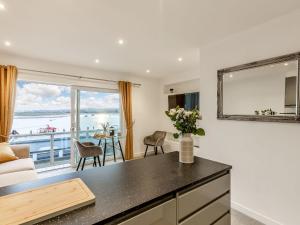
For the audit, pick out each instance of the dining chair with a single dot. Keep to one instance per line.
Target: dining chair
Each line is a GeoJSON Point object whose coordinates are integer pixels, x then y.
{"type": "Point", "coordinates": [156, 140]}
{"type": "Point", "coordinates": [87, 150]}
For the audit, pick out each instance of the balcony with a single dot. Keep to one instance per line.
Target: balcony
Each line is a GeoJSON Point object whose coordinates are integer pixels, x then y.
{"type": "Point", "coordinates": [53, 149]}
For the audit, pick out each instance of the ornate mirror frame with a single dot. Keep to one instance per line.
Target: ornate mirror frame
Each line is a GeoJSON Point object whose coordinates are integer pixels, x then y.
{"type": "Point", "coordinates": [280, 59]}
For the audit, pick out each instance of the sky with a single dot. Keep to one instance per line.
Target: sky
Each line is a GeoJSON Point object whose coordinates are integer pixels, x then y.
{"type": "Point", "coordinates": [36, 96]}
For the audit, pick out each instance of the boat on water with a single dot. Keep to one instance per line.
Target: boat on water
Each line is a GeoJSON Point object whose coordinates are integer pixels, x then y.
{"type": "Point", "coordinates": [47, 129]}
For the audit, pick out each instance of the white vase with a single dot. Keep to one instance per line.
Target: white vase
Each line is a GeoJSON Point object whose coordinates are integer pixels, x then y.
{"type": "Point", "coordinates": [186, 154]}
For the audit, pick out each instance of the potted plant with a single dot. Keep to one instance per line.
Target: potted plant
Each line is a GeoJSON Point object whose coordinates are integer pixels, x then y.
{"type": "Point", "coordinates": [185, 121]}
{"type": "Point", "coordinates": [105, 127]}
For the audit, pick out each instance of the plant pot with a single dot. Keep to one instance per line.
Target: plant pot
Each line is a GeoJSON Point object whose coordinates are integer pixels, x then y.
{"type": "Point", "coordinates": [186, 154]}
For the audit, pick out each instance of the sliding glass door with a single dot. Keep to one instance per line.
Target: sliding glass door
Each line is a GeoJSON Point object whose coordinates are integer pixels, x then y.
{"type": "Point", "coordinates": [42, 120]}
{"type": "Point", "coordinates": [92, 110]}
{"type": "Point", "coordinates": [48, 116]}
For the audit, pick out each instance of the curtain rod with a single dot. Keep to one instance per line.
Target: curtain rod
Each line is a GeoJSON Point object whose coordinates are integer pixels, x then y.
{"type": "Point", "coordinates": [74, 76]}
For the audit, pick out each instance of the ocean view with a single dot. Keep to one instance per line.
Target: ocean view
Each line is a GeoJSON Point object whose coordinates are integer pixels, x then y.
{"type": "Point", "coordinates": [40, 142]}
{"type": "Point", "coordinates": [42, 119]}
{"type": "Point", "coordinates": [30, 124]}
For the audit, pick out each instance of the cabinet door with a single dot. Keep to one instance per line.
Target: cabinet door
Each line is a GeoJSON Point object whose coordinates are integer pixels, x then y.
{"type": "Point", "coordinates": [164, 214]}
{"type": "Point", "coordinates": [225, 220]}
{"type": "Point", "coordinates": [210, 213]}
{"type": "Point", "coordinates": [192, 201]}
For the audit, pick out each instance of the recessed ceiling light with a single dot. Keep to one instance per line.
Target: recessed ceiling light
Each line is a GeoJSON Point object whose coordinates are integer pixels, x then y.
{"type": "Point", "coordinates": [120, 41]}
{"type": "Point", "coordinates": [148, 71]}
{"type": "Point", "coordinates": [2, 7]}
{"type": "Point", "coordinates": [97, 60]}
{"type": "Point", "coordinates": [286, 64]}
{"type": "Point", "coordinates": [179, 59]}
{"type": "Point", "coordinates": [7, 43]}
{"type": "Point", "coordinates": [230, 75]}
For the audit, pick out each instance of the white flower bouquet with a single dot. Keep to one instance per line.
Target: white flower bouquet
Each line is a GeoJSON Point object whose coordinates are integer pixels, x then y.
{"type": "Point", "coordinates": [185, 121]}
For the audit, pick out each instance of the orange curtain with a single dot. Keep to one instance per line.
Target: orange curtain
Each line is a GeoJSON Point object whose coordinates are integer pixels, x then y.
{"type": "Point", "coordinates": [8, 80]}
{"type": "Point", "coordinates": [125, 91]}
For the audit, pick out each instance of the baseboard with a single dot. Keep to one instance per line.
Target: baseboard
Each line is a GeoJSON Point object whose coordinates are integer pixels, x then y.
{"type": "Point", "coordinates": [253, 214]}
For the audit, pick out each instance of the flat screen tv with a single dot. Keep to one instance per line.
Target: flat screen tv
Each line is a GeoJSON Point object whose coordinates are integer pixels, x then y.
{"type": "Point", "coordinates": [290, 91]}
{"type": "Point", "coordinates": [187, 101]}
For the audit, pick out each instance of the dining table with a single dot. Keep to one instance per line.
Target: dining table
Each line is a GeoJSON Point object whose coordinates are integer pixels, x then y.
{"type": "Point", "coordinates": [115, 142]}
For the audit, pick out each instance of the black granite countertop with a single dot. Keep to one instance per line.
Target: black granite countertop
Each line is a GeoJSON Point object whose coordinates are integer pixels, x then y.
{"type": "Point", "coordinates": [124, 187]}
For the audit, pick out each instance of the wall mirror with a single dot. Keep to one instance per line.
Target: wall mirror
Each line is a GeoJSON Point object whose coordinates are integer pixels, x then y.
{"type": "Point", "coordinates": [266, 90]}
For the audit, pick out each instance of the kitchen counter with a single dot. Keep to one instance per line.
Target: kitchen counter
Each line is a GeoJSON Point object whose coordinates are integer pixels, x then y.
{"type": "Point", "coordinates": [127, 189]}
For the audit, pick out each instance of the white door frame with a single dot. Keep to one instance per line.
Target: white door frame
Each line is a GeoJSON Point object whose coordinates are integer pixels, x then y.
{"type": "Point", "coordinates": [75, 98]}
{"type": "Point", "coordinates": [75, 114]}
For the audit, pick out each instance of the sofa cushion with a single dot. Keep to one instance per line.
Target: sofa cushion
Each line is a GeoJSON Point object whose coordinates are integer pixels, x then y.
{"type": "Point", "coordinates": [17, 177]}
{"type": "Point", "coordinates": [6, 154]}
{"type": "Point", "coordinates": [21, 150]}
{"type": "Point", "coordinates": [17, 165]}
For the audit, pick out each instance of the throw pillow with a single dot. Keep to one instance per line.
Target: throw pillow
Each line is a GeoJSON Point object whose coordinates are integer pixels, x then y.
{"type": "Point", "coordinates": [6, 154]}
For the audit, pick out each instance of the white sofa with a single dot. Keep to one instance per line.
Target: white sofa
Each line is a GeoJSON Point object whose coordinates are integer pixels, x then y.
{"type": "Point", "coordinates": [20, 170]}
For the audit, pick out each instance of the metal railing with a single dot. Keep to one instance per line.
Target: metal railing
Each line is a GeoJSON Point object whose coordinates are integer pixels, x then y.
{"type": "Point", "coordinates": [49, 149]}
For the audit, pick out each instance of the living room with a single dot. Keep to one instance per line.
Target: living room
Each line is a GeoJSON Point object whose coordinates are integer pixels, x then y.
{"type": "Point", "coordinates": [163, 49]}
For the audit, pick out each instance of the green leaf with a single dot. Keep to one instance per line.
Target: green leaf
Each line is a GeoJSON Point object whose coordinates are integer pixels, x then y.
{"type": "Point", "coordinates": [200, 132]}
{"type": "Point", "coordinates": [176, 135]}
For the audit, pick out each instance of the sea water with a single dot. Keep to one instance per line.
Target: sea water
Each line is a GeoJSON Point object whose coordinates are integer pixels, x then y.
{"type": "Point", "coordinates": [62, 123]}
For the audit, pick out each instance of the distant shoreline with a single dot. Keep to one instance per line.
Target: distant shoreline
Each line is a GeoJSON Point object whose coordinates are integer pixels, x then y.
{"type": "Point", "coordinates": [43, 114]}
{"type": "Point", "coordinates": [33, 123]}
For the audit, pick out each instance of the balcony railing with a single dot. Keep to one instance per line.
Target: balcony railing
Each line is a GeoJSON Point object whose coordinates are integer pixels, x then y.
{"type": "Point", "coordinates": [51, 149]}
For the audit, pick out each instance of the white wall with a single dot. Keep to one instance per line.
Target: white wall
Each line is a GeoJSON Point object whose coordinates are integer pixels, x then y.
{"type": "Point", "coordinates": [182, 84]}
{"type": "Point", "coordinates": [180, 87]}
{"type": "Point", "coordinates": [265, 156]}
{"type": "Point", "coordinates": [145, 98]}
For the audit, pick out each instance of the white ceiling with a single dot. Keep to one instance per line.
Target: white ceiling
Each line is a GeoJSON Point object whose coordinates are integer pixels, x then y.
{"type": "Point", "coordinates": [156, 32]}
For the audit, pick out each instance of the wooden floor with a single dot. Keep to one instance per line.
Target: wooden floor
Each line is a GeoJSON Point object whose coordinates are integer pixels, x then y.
{"type": "Point", "coordinates": [237, 218]}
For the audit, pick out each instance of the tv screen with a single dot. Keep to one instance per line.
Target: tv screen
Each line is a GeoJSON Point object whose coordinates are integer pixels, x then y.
{"type": "Point", "coordinates": [187, 101]}
{"type": "Point", "coordinates": [290, 91]}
